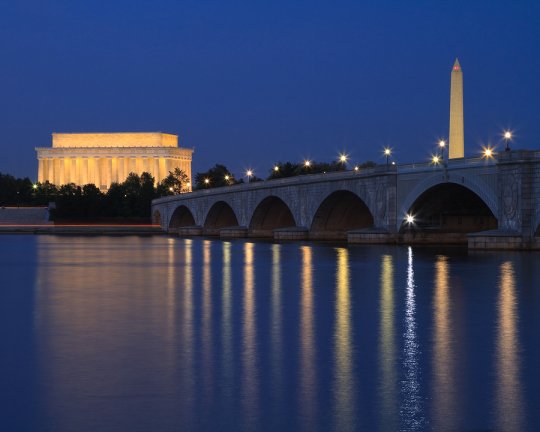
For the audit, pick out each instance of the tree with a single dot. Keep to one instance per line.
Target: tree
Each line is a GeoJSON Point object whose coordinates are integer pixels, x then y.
{"type": "Point", "coordinates": [176, 182]}
{"type": "Point", "coordinates": [216, 176]}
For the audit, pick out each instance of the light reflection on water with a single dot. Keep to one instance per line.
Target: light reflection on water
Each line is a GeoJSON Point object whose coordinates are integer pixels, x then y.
{"type": "Point", "coordinates": [388, 390]}
{"type": "Point", "coordinates": [509, 405]}
{"type": "Point", "coordinates": [444, 379]}
{"type": "Point", "coordinates": [344, 382]}
{"type": "Point", "coordinates": [411, 410]}
{"type": "Point", "coordinates": [250, 390]}
{"type": "Point", "coordinates": [169, 334]}
{"type": "Point", "coordinates": [308, 388]}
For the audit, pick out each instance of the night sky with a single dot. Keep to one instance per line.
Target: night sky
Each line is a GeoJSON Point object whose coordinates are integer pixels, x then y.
{"type": "Point", "coordinates": [250, 83]}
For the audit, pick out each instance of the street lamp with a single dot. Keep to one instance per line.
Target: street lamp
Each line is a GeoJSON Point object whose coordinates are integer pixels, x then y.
{"type": "Point", "coordinates": [343, 158]}
{"type": "Point", "coordinates": [276, 168]}
{"type": "Point", "coordinates": [249, 174]}
{"type": "Point", "coordinates": [488, 152]}
{"type": "Point", "coordinates": [442, 145]}
{"type": "Point", "coordinates": [206, 181]}
{"type": "Point", "coordinates": [409, 218]}
{"type": "Point", "coordinates": [387, 153]}
{"type": "Point", "coordinates": [435, 159]}
{"type": "Point", "coordinates": [307, 163]}
{"type": "Point", "coordinates": [507, 138]}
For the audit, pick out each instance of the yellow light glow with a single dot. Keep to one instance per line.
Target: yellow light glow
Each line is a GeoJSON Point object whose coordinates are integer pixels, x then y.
{"type": "Point", "coordinates": [435, 159]}
{"type": "Point", "coordinates": [343, 158]}
{"type": "Point", "coordinates": [227, 177]}
{"type": "Point", "coordinates": [276, 168]}
{"type": "Point", "coordinates": [356, 168]}
{"type": "Point", "coordinates": [206, 180]}
{"type": "Point", "coordinates": [442, 143]}
{"type": "Point", "coordinates": [409, 219]}
{"type": "Point", "coordinates": [249, 173]}
{"type": "Point", "coordinates": [34, 186]}
{"type": "Point", "coordinates": [488, 153]}
{"type": "Point", "coordinates": [507, 135]}
{"type": "Point", "coordinates": [307, 163]}
{"type": "Point", "coordinates": [387, 151]}
{"type": "Point", "coordinates": [171, 189]}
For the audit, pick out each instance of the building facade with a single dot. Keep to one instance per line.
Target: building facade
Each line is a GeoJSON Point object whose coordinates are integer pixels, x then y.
{"type": "Point", "coordinates": [105, 158]}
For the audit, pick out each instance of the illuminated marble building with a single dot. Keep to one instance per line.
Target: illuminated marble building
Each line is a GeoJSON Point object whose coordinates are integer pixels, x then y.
{"type": "Point", "coordinates": [104, 158]}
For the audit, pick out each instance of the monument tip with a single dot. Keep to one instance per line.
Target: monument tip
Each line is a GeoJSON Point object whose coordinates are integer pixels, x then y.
{"type": "Point", "coordinates": [457, 66]}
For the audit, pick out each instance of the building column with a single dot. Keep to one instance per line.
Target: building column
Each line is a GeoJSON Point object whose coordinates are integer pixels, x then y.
{"type": "Point", "coordinates": [50, 170]}
{"type": "Point", "coordinates": [40, 170]}
{"type": "Point", "coordinates": [84, 171]}
{"type": "Point", "coordinates": [67, 170]}
{"type": "Point", "coordinates": [162, 168]}
{"type": "Point", "coordinates": [155, 170]}
{"type": "Point", "coordinates": [114, 170]}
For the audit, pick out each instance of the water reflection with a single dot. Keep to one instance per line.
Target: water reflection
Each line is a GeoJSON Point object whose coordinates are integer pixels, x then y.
{"type": "Point", "coordinates": [226, 322]}
{"type": "Point", "coordinates": [276, 327]}
{"type": "Point", "coordinates": [387, 348]}
{"type": "Point", "coordinates": [307, 344]}
{"type": "Point", "coordinates": [95, 301]}
{"type": "Point", "coordinates": [250, 393]}
{"type": "Point", "coordinates": [344, 382]}
{"type": "Point", "coordinates": [206, 324]}
{"type": "Point", "coordinates": [444, 384]}
{"type": "Point", "coordinates": [411, 409]}
{"type": "Point", "coordinates": [509, 404]}
{"type": "Point", "coordinates": [188, 380]}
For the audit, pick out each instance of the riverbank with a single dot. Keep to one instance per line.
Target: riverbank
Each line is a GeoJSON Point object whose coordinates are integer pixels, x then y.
{"type": "Point", "coordinates": [83, 229]}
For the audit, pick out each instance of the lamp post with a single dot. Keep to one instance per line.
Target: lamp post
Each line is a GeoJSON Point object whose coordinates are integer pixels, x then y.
{"type": "Point", "coordinates": [507, 138]}
{"type": "Point", "coordinates": [387, 153]}
{"type": "Point", "coordinates": [442, 145]}
{"type": "Point", "coordinates": [249, 173]}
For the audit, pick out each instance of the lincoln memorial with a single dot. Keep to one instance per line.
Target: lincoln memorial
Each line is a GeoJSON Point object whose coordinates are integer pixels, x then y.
{"type": "Point", "coordinates": [105, 158]}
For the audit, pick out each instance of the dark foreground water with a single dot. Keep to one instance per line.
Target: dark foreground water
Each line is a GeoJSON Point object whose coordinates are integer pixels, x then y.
{"type": "Point", "coordinates": [167, 334]}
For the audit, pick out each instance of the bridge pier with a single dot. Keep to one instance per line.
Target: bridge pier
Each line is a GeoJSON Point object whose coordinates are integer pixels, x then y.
{"type": "Point", "coordinates": [292, 233]}
{"type": "Point", "coordinates": [233, 232]}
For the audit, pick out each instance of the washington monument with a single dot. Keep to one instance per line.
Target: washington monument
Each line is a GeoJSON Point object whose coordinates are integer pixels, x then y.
{"type": "Point", "coordinates": [456, 147]}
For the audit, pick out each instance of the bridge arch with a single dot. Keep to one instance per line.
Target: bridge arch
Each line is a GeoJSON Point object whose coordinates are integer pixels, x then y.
{"type": "Point", "coordinates": [486, 193]}
{"type": "Point", "coordinates": [339, 212]}
{"type": "Point", "coordinates": [450, 207]}
{"type": "Point", "coordinates": [220, 215]}
{"type": "Point", "coordinates": [271, 213]}
{"type": "Point", "coordinates": [181, 217]}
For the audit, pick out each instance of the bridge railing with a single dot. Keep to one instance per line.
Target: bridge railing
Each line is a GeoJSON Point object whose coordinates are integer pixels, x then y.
{"type": "Point", "coordinates": [451, 163]}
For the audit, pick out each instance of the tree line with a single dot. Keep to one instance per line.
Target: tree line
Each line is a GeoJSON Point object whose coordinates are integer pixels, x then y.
{"type": "Point", "coordinates": [219, 175]}
{"type": "Point", "coordinates": [130, 199]}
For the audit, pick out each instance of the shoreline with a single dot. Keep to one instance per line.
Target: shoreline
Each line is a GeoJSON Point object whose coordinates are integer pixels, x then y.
{"type": "Point", "coordinates": [83, 229]}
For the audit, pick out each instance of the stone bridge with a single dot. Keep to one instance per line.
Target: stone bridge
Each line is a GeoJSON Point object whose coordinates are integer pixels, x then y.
{"type": "Point", "coordinates": [487, 203]}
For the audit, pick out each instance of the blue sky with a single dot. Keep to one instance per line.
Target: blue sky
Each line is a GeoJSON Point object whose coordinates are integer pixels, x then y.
{"type": "Point", "coordinates": [249, 83]}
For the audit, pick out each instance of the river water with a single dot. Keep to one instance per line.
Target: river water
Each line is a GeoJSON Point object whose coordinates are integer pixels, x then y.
{"type": "Point", "coordinates": [170, 334]}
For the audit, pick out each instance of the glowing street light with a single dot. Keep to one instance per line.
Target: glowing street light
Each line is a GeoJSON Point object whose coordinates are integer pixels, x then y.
{"type": "Point", "coordinates": [207, 181]}
{"type": "Point", "coordinates": [227, 178]}
{"type": "Point", "coordinates": [276, 168]}
{"type": "Point", "coordinates": [307, 163]}
{"type": "Point", "coordinates": [409, 218]}
{"type": "Point", "coordinates": [356, 168]}
{"type": "Point", "coordinates": [343, 158]}
{"type": "Point", "coordinates": [507, 135]}
{"type": "Point", "coordinates": [442, 145]}
{"type": "Point", "coordinates": [488, 152]}
{"type": "Point", "coordinates": [249, 174]}
{"type": "Point", "coordinates": [387, 153]}
{"type": "Point", "coordinates": [435, 160]}
{"type": "Point", "coordinates": [34, 186]}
